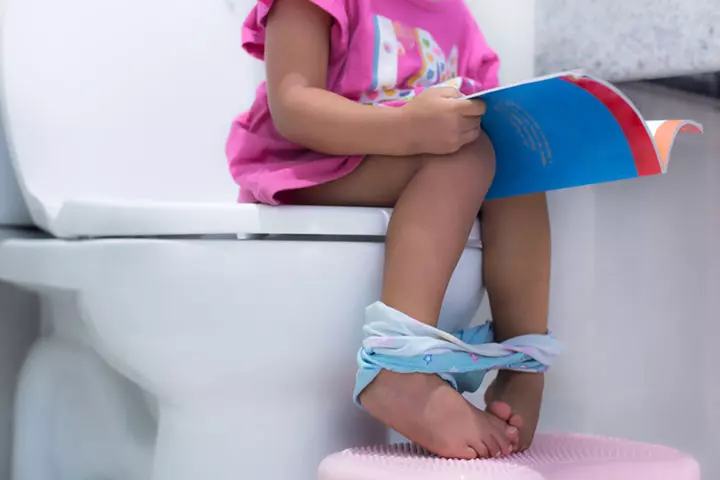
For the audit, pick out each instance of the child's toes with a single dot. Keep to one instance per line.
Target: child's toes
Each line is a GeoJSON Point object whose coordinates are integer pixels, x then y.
{"type": "Point", "coordinates": [459, 451]}
{"type": "Point", "coordinates": [470, 453]}
{"type": "Point", "coordinates": [512, 434]}
{"type": "Point", "coordinates": [516, 420]}
{"type": "Point", "coordinates": [495, 444]}
{"type": "Point", "coordinates": [506, 443]}
{"type": "Point", "coordinates": [501, 410]}
{"type": "Point", "coordinates": [479, 448]}
{"type": "Point", "coordinates": [504, 435]}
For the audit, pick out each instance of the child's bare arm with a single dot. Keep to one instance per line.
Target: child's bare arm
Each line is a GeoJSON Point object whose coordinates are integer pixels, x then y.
{"type": "Point", "coordinates": [304, 112]}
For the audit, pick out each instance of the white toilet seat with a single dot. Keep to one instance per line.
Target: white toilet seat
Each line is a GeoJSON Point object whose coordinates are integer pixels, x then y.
{"type": "Point", "coordinates": [123, 218]}
{"type": "Point", "coordinates": [33, 258]}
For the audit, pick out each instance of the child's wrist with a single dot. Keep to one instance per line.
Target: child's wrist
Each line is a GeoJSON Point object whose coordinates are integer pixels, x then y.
{"type": "Point", "coordinates": [405, 139]}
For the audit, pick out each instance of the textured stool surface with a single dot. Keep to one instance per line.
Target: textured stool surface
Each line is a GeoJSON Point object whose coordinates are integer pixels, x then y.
{"type": "Point", "coordinates": [552, 457]}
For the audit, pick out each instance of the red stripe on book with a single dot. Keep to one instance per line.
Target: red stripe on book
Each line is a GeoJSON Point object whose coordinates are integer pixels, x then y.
{"type": "Point", "coordinates": [641, 145]}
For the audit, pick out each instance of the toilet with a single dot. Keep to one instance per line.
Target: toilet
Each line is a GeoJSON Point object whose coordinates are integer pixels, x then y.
{"type": "Point", "coordinates": [185, 336]}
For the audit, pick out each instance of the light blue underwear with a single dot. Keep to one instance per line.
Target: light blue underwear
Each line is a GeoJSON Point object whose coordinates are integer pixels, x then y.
{"type": "Point", "coordinates": [395, 342]}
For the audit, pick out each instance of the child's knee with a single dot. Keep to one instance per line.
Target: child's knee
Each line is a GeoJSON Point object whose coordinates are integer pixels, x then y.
{"type": "Point", "coordinates": [482, 155]}
{"type": "Point", "coordinates": [473, 166]}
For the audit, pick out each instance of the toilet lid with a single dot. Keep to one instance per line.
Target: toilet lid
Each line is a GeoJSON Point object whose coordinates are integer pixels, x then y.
{"type": "Point", "coordinates": [13, 211]}
{"type": "Point", "coordinates": [122, 101]}
{"type": "Point", "coordinates": [117, 115]}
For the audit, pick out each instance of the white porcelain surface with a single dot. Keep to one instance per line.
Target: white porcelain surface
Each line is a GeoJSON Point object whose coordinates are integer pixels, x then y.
{"type": "Point", "coordinates": [12, 208]}
{"type": "Point", "coordinates": [244, 363]}
{"type": "Point", "coordinates": [18, 330]}
{"type": "Point", "coordinates": [164, 140]}
{"type": "Point", "coordinates": [13, 211]}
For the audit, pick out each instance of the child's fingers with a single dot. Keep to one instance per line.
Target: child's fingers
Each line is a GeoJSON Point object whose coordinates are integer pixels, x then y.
{"type": "Point", "coordinates": [472, 108]}
{"type": "Point", "coordinates": [470, 136]}
{"type": "Point", "coordinates": [469, 123]}
{"type": "Point", "coordinates": [448, 92]}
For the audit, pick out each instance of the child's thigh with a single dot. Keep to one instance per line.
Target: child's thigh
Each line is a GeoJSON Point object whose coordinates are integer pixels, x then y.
{"type": "Point", "coordinates": [377, 182]}
{"type": "Point", "coordinates": [380, 180]}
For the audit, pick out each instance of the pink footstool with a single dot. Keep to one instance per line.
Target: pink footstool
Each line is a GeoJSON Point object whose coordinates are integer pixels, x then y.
{"type": "Point", "coordinates": [552, 457]}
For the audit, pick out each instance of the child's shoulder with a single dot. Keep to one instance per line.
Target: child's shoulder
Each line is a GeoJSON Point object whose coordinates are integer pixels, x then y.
{"type": "Point", "coordinates": [254, 27]}
{"type": "Point", "coordinates": [450, 18]}
{"type": "Point", "coordinates": [449, 13]}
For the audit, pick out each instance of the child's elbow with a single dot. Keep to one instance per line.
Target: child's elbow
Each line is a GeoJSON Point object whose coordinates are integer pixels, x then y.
{"type": "Point", "coordinates": [284, 121]}
{"type": "Point", "coordinates": [287, 117]}
{"type": "Point", "coordinates": [297, 121]}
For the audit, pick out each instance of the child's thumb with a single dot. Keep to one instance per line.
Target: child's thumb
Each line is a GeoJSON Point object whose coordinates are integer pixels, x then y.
{"type": "Point", "coordinates": [449, 92]}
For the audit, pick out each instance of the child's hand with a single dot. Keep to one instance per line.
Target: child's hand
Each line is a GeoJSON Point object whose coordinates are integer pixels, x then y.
{"type": "Point", "coordinates": [437, 121]}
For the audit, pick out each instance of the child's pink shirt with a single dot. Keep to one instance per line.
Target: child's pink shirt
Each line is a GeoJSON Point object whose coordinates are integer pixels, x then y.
{"type": "Point", "coordinates": [382, 52]}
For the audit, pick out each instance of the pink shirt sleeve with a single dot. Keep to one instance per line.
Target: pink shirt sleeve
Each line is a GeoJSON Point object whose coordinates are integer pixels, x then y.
{"type": "Point", "coordinates": [254, 28]}
{"type": "Point", "coordinates": [478, 61]}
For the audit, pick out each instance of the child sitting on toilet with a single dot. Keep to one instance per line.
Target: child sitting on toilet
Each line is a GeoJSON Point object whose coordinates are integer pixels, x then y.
{"type": "Point", "coordinates": [347, 118]}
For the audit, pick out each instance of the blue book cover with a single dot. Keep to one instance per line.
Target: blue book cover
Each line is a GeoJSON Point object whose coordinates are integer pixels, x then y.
{"type": "Point", "coordinates": [569, 130]}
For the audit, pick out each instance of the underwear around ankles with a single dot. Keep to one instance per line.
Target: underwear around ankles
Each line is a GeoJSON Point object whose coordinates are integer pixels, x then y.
{"type": "Point", "coordinates": [398, 343]}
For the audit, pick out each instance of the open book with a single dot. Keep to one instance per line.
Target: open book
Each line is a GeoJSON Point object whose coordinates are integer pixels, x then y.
{"type": "Point", "coordinates": [569, 130]}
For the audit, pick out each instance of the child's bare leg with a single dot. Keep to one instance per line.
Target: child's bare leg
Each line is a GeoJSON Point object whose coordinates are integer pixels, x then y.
{"type": "Point", "coordinates": [436, 201]}
{"type": "Point", "coordinates": [516, 268]}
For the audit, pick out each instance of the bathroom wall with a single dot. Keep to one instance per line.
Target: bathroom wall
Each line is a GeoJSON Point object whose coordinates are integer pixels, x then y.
{"type": "Point", "coordinates": [656, 291]}
{"type": "Point", "coordinates": [513, 40]}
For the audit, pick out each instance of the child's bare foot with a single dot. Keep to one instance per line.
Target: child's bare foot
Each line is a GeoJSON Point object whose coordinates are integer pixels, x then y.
{"type": "Point", "coordinates": [426, 410]}
{"type": "Point", "coordinates": [515, 397]}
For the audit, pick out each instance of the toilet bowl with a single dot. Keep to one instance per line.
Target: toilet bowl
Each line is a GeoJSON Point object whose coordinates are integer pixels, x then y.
{"type": "Point", "coordinates": [186, 336]}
